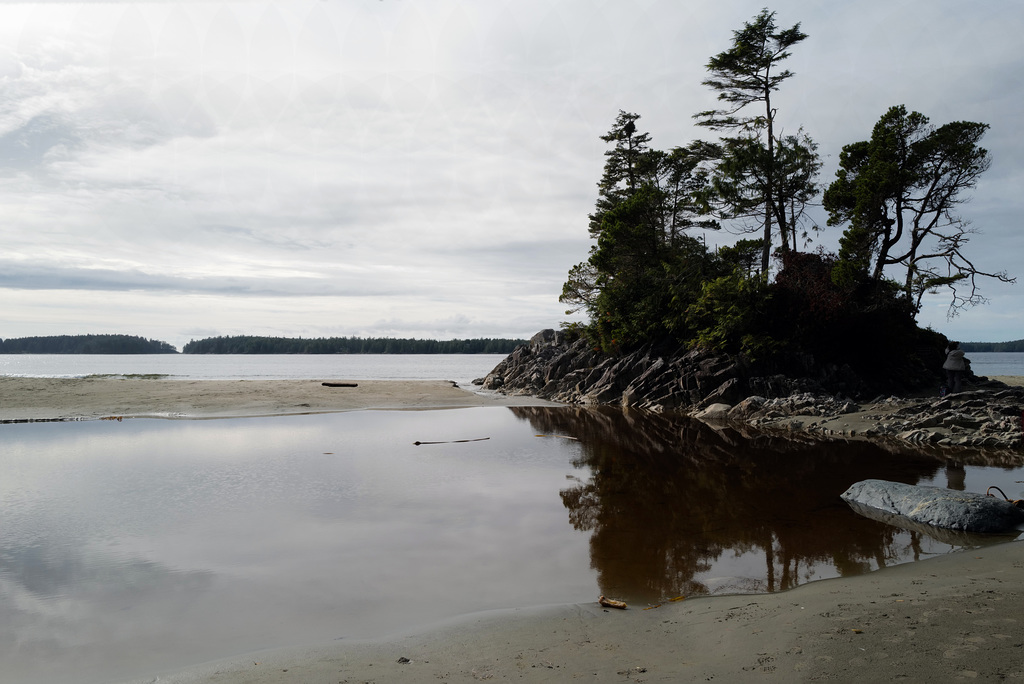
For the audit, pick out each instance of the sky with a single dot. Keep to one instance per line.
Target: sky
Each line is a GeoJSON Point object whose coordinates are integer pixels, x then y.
{"type": "Point", "coordinates": [421, 168]}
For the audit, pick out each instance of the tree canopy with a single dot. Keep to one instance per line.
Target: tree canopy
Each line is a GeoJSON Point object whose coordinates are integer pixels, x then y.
{"type": "Point", "coordinates": [1012, 346]}
{"type": "Point", "coordinates": [249, 344]}
{"type": "Point", "coordinates": [649, 281]}
{"type": "Point", "coordinates": [85, 344]}
{"type": "Point", "coordinates": [899, 192]}
{"type": "Point", "coordinates": [760, 175]}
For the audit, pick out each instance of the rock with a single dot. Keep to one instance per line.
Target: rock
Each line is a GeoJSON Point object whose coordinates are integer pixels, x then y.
{"type": "Point", "coordinates": [715, 411]}
{"type": "Point", "coordinates": [947, 508]}
{"type": "Point", "coordinates": [940, 534]}
{"type": "Point", "coordinates": [746, 408]}
{"type": "Point", "coordinates": [558, 367]}
{"type": "Point", "coordinates": [730, 391]}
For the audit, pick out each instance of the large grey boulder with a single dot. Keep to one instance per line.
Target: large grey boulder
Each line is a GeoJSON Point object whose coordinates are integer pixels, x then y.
{"type": "Point", "coordinates": [955, 538]}
{"type": "Point", "coordinates": [948, 508]}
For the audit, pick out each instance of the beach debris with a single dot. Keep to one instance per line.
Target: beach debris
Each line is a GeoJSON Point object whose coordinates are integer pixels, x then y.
{"type": "Point", "coordinates": [403, 660]}
{"type": "Point", "coordinates": [632, 670]}
{"type": "Point", "coordinates": [674, 599]}
{"type": "Point", "coordinates": [340, 384]}
{"type": "Point", "coordinates": [575, 439]}
{"type": "Point", "coordinates": [117, 418]}
{"type": "Point", "coordinates": [455, 441]}
{"type": "Point", "coordinates": [611, 603]}
{"type": "Point", "coordinates": [656, 605]}
{"type": "Point", "coordinates": [1019, 503]}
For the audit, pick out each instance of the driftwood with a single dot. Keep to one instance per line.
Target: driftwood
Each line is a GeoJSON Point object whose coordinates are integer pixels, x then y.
{"type": "Point", "coordinates": [612, 603]}
{"type": "Point", "coordinates": [455, 441]}
{"type": "Point", "coordinates": [339, 384]}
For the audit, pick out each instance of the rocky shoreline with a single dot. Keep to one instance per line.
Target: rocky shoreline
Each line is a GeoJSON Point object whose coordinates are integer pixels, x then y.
{"type": "Point", "coordinates": [989, 418]}
{"type": "Point", "coordinates": [989, 415]}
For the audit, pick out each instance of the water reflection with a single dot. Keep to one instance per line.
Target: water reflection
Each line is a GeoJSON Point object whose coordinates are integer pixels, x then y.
{"type": "Point", "coordinates": [134, 547]}
{"type": "Point", "coordinates": [675, 507]}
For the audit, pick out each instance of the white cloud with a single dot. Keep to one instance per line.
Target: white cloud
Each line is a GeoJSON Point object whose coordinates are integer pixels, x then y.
{"type": "Point", "coordinates": [393, 165]}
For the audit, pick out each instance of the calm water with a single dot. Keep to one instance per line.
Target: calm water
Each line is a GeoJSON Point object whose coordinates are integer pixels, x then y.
{"type": "Point", "coordinates": [461, 368]}
{"type": "Point", "coordinates": [135, 547]}
{"type": "Point", "coordinates": [997, 363]}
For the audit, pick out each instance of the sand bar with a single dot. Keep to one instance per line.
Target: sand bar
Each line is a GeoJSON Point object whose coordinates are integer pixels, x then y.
{"type": "Point", "coordinates": [23, 399]}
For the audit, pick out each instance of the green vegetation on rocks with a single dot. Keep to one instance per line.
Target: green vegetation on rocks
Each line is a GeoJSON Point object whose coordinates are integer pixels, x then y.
{"type": "Point", "coordinates": [774, 300]}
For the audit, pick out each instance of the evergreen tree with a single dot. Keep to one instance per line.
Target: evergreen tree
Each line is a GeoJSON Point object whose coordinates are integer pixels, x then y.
{"type": "Point", "coordinates": [642, 270]}
{"type": "Point", "coordinates": [753, 168]}
{"type": "Point", "coordinates": [899, 192]}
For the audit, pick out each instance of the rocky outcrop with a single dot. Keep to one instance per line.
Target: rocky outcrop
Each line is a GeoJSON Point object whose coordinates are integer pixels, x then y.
{"type": "Point", "coordinates": [721, 388]}
{"type": "Point", "coordinates": [552, 367]}
{"type": "Point", "coordinates": [947, 508]}
{"type": "Point", "coordinates": [989, 418]}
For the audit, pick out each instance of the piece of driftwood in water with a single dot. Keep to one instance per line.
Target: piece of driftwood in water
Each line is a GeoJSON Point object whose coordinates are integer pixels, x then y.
{"type": "Point", "coordinates": [949, 508]}
{"type": "Point", "coordinates": [339, 384]}
{"type": "Point", "coordinates": [454, 441]}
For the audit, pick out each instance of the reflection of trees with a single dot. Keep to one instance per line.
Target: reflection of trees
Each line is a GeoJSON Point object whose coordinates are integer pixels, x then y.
{"type": "Point", "coordinates": [669, 495]}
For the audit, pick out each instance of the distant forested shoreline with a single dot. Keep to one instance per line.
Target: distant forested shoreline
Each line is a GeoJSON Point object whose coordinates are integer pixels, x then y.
{"type": "Point", "coordinates": [249, 344]}
{"type": "Point", "coordinates": [1014, 346]}
{"type": "Point", "coordinates": [246, 344]}
{"type": "Point", "coordinates": [85, 344]}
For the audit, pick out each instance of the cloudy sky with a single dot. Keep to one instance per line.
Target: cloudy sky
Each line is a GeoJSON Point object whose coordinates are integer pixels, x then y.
{"type": "Point", "coordinates": [418, 168]}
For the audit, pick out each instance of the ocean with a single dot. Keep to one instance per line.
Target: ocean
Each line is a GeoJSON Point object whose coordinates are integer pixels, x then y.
{"type": "Point", "coordinates": [992, 364]}
{"type": "Point", "coordinates": [461, 368]}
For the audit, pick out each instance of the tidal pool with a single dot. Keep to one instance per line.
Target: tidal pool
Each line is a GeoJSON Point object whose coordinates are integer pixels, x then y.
{"type": "Point", "coordinates": [131, 548]}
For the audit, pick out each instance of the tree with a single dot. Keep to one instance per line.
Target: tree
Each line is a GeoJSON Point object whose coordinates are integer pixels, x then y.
{"type": "Point", "coordinates": [683, 176]}
{"type": "Point", "coordinates": [745, 174]}
{"type": "Point", "coordinates": [624, 168]}
{"type": "Point", "coordinates": [899, 192]}
{"type": "Point", "coordinates": [747, 74]}
{"type": "Point", "coordinates": [626, 164]}
{"type": "Point", "coordinates": [642, 268]}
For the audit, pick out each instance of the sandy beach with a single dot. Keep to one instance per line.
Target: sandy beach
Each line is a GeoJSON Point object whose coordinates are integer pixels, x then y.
{"type": "Point", "coordinates": [39, 399]}
{"type": "Point", "coordinates": [953, 618]}
{"type": "Point", "coordinates": [956, 617]}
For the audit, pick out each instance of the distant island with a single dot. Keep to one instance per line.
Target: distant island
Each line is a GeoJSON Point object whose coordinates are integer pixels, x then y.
{"type": "Point", "coordinates": [1014, 346]}
{"type": "Point", "coordinates": [249, 344]}
{"type": "Point", "coordinates": [85, 344]}
{"type": "Point", "coordinates": [246, 344]}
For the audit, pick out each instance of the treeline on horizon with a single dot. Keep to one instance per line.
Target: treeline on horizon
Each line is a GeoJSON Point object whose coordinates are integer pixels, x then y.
{"type": "Point", "coordinates": [1013, 346]}
{"type": "Point", "coordinates": [247, 344]}
{"type": "Point", "coordinates": [85, 344]}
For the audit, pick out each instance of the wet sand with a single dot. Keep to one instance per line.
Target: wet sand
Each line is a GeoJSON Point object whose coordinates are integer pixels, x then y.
{"type": "Point", "coordinates": [959, 617]}
{"type": "Point", "coordinates": [24, 399]}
